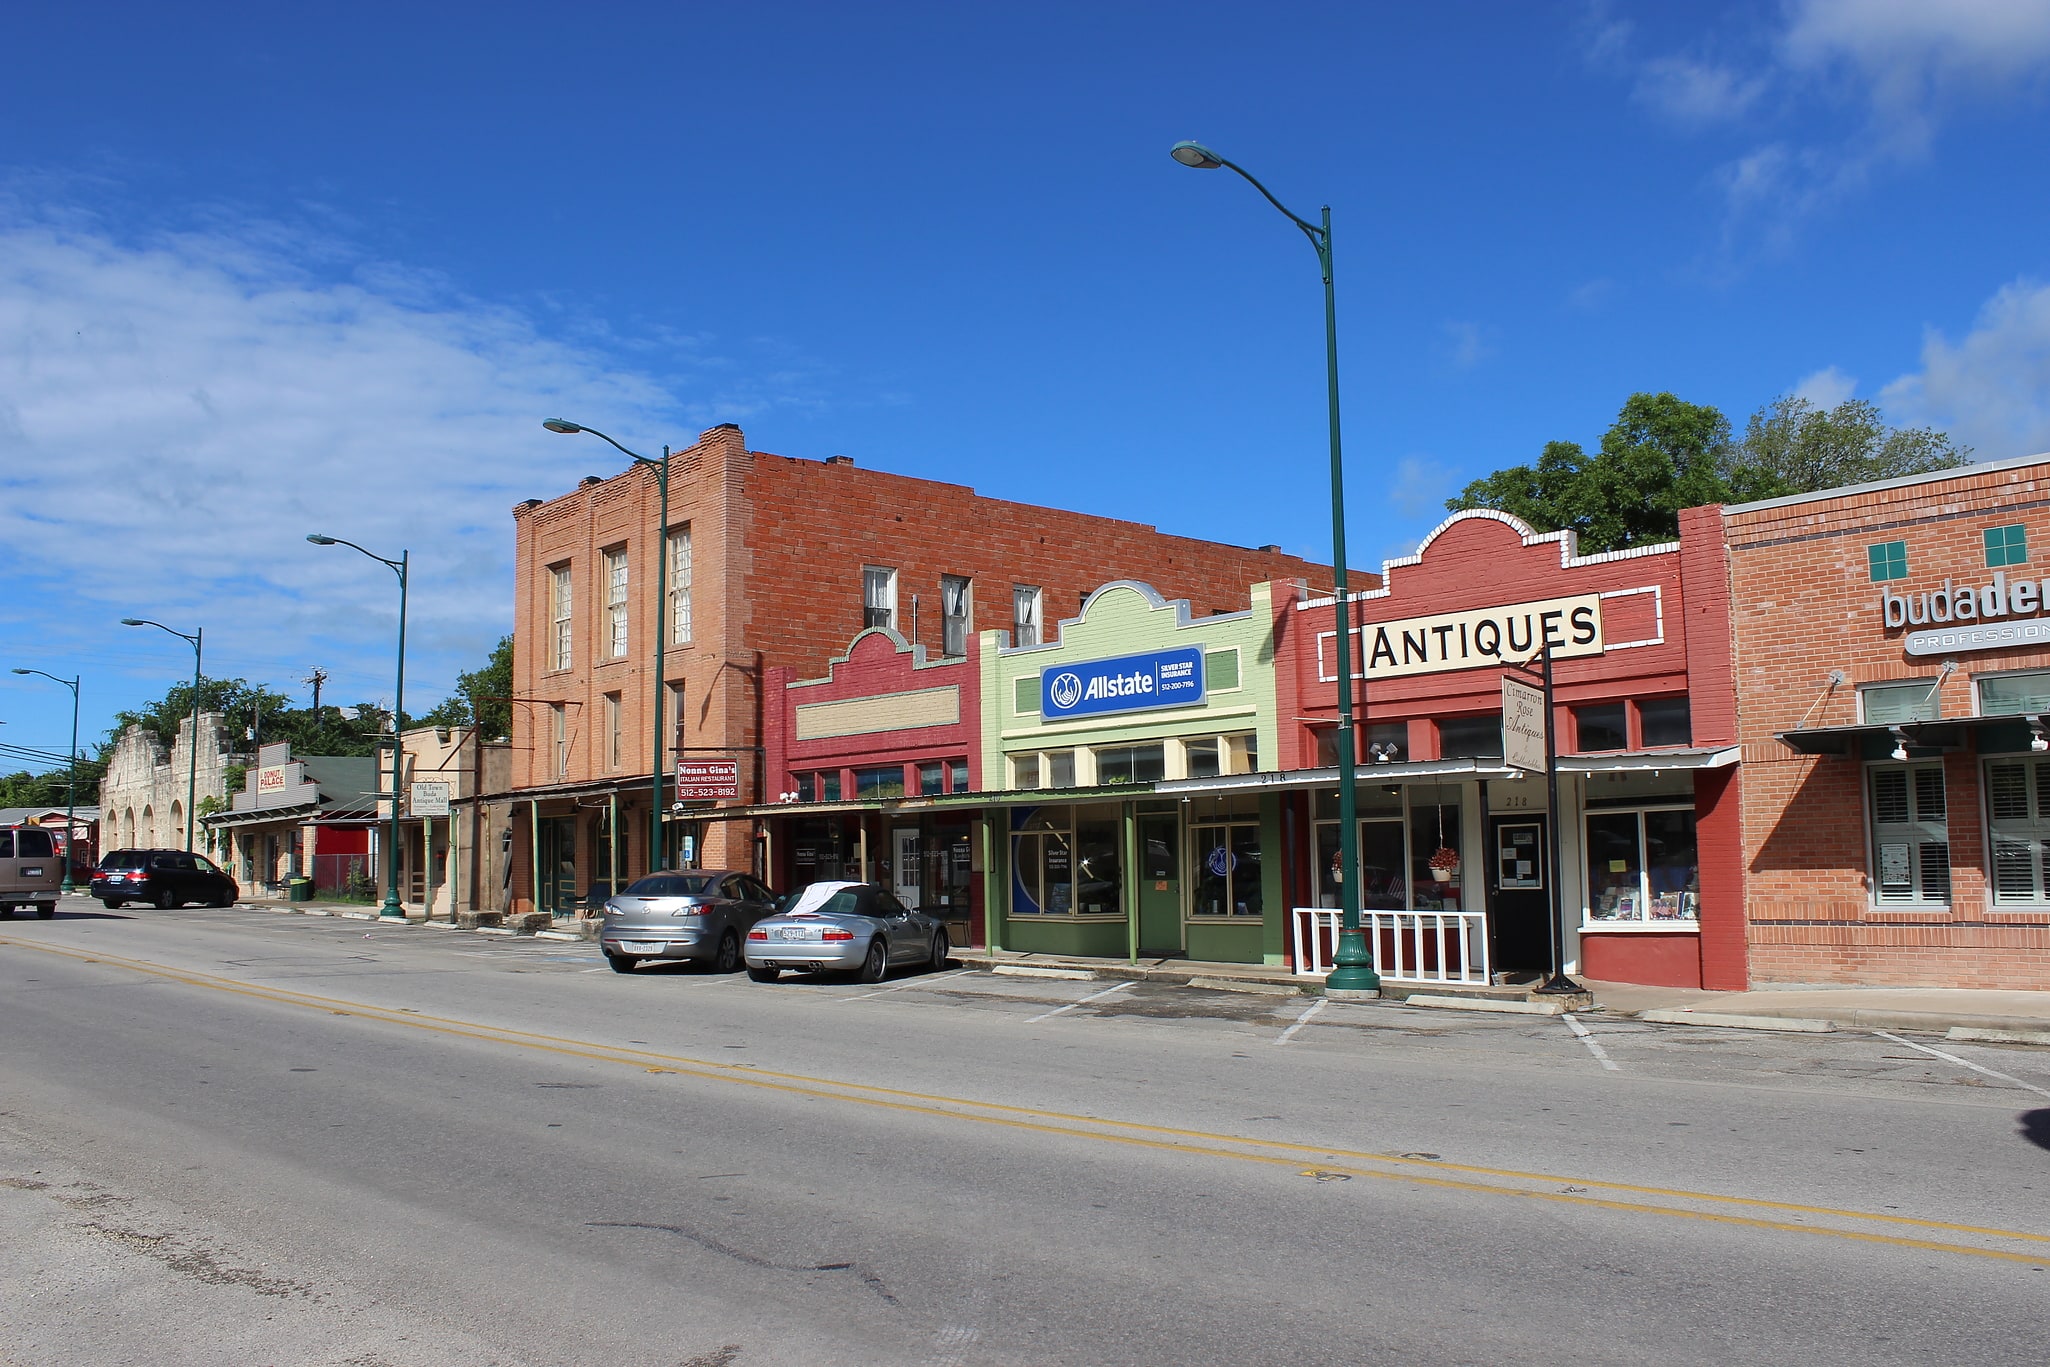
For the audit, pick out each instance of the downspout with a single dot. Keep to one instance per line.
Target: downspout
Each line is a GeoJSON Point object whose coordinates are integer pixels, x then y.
{"type": "Point", "coordinates": [534, 849]}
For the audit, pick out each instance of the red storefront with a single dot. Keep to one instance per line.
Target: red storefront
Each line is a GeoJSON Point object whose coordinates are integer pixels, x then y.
{"type": "Point", "coordinates": [1451, 840]}
{"type": "Point", "coordinates": [872, 769]}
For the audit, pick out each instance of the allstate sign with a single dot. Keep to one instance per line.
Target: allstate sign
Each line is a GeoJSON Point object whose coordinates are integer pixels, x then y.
{"type": "Point", "coordinates": [1129, 683]}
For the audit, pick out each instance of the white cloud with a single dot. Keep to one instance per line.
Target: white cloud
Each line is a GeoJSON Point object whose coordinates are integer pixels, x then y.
{"type": "Point", "coordinates": [1826, 388]}
{"type": "Point", "coordinates": [1694, 92]}
{"type": "Point", "coordinates": [1467, 344]}
{"type": "Point", "coordinates": [1591, 295]}
{"type": "Point", "coordinates": [1421, 486]}
{"type": "Point", "coordinates": [179, 413]}
{"type": "Point", "coordinates": [1991, 388]}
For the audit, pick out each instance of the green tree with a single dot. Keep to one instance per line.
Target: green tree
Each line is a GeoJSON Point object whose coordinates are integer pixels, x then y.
{"type": "Point", "coordinates": [483, 696]}
{"type": "Point", "coordinates": [1802, 448]}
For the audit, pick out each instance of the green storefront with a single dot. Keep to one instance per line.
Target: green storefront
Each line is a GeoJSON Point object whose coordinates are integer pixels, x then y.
{"type": "Point", "coordinates": [1084, 857]}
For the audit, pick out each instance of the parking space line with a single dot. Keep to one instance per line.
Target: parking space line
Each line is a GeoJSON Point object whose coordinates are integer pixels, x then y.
{"type": "Point", "coordinates": [1593, 1046]}
{"type": "Point", "coordinates": [915, 982]}
{"type": "Point", "coordinates": [1964, 1063]}
{"type": "Point", "coordinates": [1304, 1019]}
{"type": "Point", "coordinates": [1095, 996]}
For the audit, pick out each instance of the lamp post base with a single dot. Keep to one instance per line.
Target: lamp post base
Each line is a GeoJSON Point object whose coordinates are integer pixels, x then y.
{"type": "Point", "coordinates": [1559, 985]}
{"type": "Point", "coordinates": [391, 911]}
{"type": "Point", "coordinates": [1352, 967]}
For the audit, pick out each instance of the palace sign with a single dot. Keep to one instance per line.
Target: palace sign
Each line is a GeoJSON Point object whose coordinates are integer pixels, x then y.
{"type": "Point", "coordinates": [1129, 683]}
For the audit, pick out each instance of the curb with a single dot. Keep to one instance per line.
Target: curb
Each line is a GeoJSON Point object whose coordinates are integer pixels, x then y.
{"type": "Point", "coordinates": [1034, 971]}
{"type": "Point", "coordinates": [1984, 1036]}
{"type": "Point", "coordinates": [1785, 1024]}
{"type": "Point", "coordinates": [1485, 1004]}
{"type": "Point", "coordinates": [1244, 985]}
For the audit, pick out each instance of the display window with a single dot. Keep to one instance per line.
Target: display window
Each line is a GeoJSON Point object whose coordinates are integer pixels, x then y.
{"type": "Point", "coordinates": [1409, 847]}
{"type": "Point", "coordinates": [2018, 819]}
{"type": "Point", "coordinates": [1643, 868]}
{"type": "Point", "coordinates": [1910, 834]}
{"type": "Point", "coordinates": [1065, 862]}
{"type": "Point", "coordinates": [1227, 868]}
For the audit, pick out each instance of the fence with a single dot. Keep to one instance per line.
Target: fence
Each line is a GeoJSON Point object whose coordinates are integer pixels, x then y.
{"type": "Point", "coordinates": [1407, 946]}
{"type": "Point", "coordinates": [342, 876]}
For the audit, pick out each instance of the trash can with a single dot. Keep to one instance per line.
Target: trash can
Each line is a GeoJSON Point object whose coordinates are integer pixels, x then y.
{"type": "Point", "coordinates": [299, 889]}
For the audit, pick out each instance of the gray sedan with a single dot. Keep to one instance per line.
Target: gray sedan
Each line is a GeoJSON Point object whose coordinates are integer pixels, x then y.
{"type": "Point", "coordinates": [696, 914]}
{"type": "Point", "coordinates": [845, 928]}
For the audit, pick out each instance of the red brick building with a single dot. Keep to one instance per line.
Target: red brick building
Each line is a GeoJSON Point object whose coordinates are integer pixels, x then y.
{"type": "Point", "coordinates": [774, 562]}
{"type": "Point", "coordinates": [1892, 648]}
{"type": "Point", "coordinates": [1651, 890]}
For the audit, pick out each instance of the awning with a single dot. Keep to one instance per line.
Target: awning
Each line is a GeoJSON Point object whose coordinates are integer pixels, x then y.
{"type": "Point", "coordinates": [1410, 771]}
{"type": "Point", "coordinates": [1644, 761]}
{"type": "Point", "coordinates": [1947, 734]}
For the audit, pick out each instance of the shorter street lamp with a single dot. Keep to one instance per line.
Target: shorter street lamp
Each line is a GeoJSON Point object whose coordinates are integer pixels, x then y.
{"type": "Point", "coordinates": [71, 788]}
{"type": "Point", "coordinates": [657, 855]}
{"type": "Point", "coordinates": [192, 746]}
{"type": "Point", "coordinates": [392, 910]}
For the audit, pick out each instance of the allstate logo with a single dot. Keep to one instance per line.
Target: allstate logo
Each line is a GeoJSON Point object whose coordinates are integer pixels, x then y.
{"type": "Point", "coordinates": [1066, 690]}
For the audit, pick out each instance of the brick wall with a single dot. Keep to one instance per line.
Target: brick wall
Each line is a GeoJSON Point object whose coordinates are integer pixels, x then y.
{"type": "Point", "coordinates": [1804, 605]}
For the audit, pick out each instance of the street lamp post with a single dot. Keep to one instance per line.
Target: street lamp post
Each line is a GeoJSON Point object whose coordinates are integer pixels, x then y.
{"type": "Point", "coordinates": [391, 910]}
{"type": "Point", "coordinates": [192, 746]}
{"type": "Point", "coordinates": [656, 854]}
{"type": "Point", "coordinates": [71, 788]}
{"type": "Point", "coordinates": [1353, 966]}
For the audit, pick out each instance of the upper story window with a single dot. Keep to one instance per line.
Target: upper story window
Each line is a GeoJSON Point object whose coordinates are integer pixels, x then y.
{"type": "Point", "coordinates": [1026, 603]}
{"type": "Point", "coordinates": [1387, 743]}
{"type": "Point", "coordinates": [1131, 763]}
{"type": "Point", "coordinates": [879, 782]}
{"type": "Point", "coordinates": [1666, 721]}
{"type": "Point", "coordinates": [615, 603]}
{"type": "Point", "coordinates": [1600, 726]}
{"type": "Point", "coordinates": [954, 602]}
{"type": "Point", "coordinates": [1888, 560]}
{"type": "Point", "coordinates": [2014, 695]}
{"type": "Point", "coordinates": [1471, 737]}
{"type": "Point", "coordinates": [558, 735]}
{"type": "Point", "coordinates": [1888, 703]}
{"type": "Point", "coordinates": [2007, 546]}
{"type": "Point", "coordinates": [878, 597]}
{"type": "Point", "coordinates": [679, 584]}
{"type": "Point", "coordinates": [560, 603]}
{"type": "Point", "coordinates": [613, 730]}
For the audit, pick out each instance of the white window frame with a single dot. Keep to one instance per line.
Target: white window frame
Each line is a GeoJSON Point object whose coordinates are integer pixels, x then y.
{"type": "Point", "coordinates": [957, 610]}
{"type": "Point", "coordinates": [614, 728]}
{"type": "Point", "coordinates": [1916, 898]}
{"type": "Point", "coordinates": [2031, 833]}
{"type": "Point", "coordinates": [1589, 922]}
{"type": "Point", "coordinates": [1932, 705]}
{"type": "Point", "coordinates": [878, 609]}
{"type": "Point", "coordinates": [1028, 615]}
{"type": "Point", "coordinates": [1991, 676]}
{"type": "Point", "coordinates": [679, 585]}
{"type": "Point", "coordinates": [558, 722]}
{"type": "Point", "coordinates": [562, 614]}
{"type": "Point", "coordinates": [615, 603]}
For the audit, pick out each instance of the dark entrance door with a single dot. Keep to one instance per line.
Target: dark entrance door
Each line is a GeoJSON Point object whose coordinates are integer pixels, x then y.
{"type": "Point", "coordinates": [1160, 886]}
{"type": "Point", "coordinates": [1519, 895]}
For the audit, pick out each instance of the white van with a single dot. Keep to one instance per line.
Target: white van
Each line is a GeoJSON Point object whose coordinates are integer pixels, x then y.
{"type": "Point", "coordinates": [31, 870]}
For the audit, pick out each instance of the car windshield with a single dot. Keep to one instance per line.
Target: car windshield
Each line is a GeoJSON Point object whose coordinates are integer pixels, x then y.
{"type": "Point", "coordinates": [827, 899]}
{"type": "Point", "coordinates": [672, 885]}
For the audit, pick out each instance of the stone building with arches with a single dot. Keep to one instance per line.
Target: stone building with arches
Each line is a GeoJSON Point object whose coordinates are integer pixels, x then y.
{"type": "Point", "coordinates": [143, 793]}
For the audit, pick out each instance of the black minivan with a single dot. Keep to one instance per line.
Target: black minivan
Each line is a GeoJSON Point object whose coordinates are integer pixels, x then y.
{"type": "Point", "coordinates": [163, 878]}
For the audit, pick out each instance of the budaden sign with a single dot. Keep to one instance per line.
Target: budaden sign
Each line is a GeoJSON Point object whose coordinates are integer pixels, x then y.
{"type": "Point", "coordinates": [1969, 618]}
{"type": "Point", "coordinates": [1472, 640]}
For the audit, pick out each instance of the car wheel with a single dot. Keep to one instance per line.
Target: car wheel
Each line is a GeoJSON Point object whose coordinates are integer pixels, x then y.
{"type": "Point", "coordinates": [222, 899]}
{"type": "Point", "coordinates": [876, 966]}
{"type": "Point", "coordinates": [728, 960]}
{"type": "Point", "coordinates": [939, 951]}
{"type": "Point", "coordinates": [767, 973]}
{"type": "Point", "coordinates": [111, 903]}
{"type": "Point", "coordinates": [45, 910]}
{"type": "Point", "coordinates": [621, 963]}
{"type": "Point", "coordinates": [167, 900]}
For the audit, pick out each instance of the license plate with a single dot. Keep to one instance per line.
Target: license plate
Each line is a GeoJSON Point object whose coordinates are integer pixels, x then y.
{"type": "Point", "coordinates": [36, 872]}
{"type": "Point", "coordinates": [645, 946]}
{"type": "Point", "coordinates": [796, 933]}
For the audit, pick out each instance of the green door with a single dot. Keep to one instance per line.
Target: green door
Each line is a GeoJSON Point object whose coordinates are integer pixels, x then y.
{"type": "Point", "coordinates": [1160, 886]}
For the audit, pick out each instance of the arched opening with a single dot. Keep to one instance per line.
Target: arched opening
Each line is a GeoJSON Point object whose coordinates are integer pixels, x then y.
{"type": "Point", "coordinates": [149, 825]}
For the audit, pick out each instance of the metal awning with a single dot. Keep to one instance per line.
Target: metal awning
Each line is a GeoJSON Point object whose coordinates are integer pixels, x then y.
{"type": "Point", "coordinates": [1945, 734]}
{"type": "Point", "coordinates": [1644, 761]}
{"type": "Point", "coordinates": [1410, 771]}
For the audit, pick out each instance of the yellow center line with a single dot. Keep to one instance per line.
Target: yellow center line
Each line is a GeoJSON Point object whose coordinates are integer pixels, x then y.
{"type": "Point", "coordinates": [1200, 1143]}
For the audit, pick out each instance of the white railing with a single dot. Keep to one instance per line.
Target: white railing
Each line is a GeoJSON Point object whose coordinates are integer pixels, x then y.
{"type": "Point", "coordinates": [1408, 946]}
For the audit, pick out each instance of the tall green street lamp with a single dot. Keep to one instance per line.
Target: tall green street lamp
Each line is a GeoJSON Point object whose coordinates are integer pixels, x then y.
{"type": "Point", "coordinates": [71, 790]}
{"type": "Point", "coordinates": [392, 910]}
{"type": "Point", "coordinates": [657, 856]}
{"type": "Point", "coordinates": [1353, 967]}
{"type": "Point", "coordinates": [192, 748]}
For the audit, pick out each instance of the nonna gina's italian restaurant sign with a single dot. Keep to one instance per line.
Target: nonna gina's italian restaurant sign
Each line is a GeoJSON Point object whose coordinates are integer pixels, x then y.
{"type": "Point", "coordinates": [1129, 683]}
{"type": "Point", "coordinates": [1970, 618]}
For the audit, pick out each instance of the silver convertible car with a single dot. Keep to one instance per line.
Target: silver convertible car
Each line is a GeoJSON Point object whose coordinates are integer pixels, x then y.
{"type": "Point", "coordinates": [695, 914]}
{"type": "Point", "coordinates": [844, 928]}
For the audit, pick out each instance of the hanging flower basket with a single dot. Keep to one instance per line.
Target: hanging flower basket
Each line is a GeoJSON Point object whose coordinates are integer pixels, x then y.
{"type": "Point", "coordinates": [1444, 863]}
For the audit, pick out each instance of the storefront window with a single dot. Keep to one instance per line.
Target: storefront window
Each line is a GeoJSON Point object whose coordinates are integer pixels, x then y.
{"type": "Point", "coordinates": [2018, 801]}
{"type": "Point", "coordinates": [1065, 866]}
{"type": "Point", "coordinates": [1227, 869]}
{"type": "Point", "coordinates": [820, 852]}
{"type": "Point", "coordinates": [2014, 695]}
{"type": "Point", "coordinates": [1642, 867]}
{"type": "Point", "coordinates": [1910, 834]}
{"type": "Point", "coordinates": [1131, 763]}
{"type": "Point", "coordinates": [1401, 828]}
{"type": "Point", "coordinates": [1666, 721]}
{"type": "Point", "coordinates": [1600, 727]}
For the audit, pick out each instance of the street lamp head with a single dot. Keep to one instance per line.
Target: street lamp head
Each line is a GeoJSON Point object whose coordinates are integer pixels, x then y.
{"type": "Point", "coordinates": [317, 539]}
{"type": "Point", "coordinates": [1195, 154]}
{"type": "Point", "coordinates": [133, 622]}
{"type": "Point", "coordinates": [24, 671]}
{"type": "Point", "coordinates": [560, 425]}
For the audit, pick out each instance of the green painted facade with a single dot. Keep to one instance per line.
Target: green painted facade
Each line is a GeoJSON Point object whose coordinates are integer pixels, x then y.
{"type": "Point", "coordinates": [1098, 814]}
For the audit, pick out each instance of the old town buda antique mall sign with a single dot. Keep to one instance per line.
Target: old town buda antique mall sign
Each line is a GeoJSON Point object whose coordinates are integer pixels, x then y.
{"type": "Point", "coordinates": [1969, 618]}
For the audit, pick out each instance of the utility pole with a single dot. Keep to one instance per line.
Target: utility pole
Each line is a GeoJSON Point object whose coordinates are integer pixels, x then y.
{"type": "Point", "coordinates": [317, 678]}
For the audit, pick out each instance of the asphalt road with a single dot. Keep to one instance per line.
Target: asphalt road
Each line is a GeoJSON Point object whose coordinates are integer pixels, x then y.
{"type": "Point", "coordinates": [239, 1137]}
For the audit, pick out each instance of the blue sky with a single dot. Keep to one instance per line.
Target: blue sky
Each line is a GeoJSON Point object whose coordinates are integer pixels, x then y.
{"type": "Point", "coordinates": [268, 270]}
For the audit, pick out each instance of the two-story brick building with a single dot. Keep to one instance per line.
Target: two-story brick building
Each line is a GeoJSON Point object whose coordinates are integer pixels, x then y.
{"type": "Point", "coordinates": [771, 561]}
